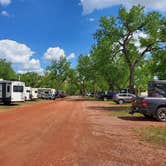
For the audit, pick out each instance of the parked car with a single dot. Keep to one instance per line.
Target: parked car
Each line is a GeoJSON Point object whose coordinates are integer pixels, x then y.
{"type": "Point", "coordinates": [106, 95]}
{"type": "Point", "coordinates": [155, 104]}
{"type": "Point", "coordinates": [121, 98]}
{"type": "Point", "coordinates": [60, 94]}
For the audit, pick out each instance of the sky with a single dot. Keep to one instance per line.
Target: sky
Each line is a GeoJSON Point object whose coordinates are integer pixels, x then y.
{"type": "Point", "coordinates": [35, 32]}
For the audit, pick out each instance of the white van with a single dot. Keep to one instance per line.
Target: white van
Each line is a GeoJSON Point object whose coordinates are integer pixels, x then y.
{"type": "Point", "coordinates": [28, 93]}
{"type": "Point", "coordinates": [11, 91]}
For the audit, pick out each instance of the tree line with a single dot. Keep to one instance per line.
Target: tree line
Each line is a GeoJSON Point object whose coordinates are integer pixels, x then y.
{"type": "Point", "coordinates": [128, 51]}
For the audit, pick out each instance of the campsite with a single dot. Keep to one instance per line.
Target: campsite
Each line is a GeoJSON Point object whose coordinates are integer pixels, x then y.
{"type": "Point", "coordinates": [82, 83]}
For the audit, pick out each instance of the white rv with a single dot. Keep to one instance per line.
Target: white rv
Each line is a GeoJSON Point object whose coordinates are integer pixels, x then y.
{"type": "Point", "coordinates": [28, 93]}
{"type": "Point", "coordinates": [34, 93]}
{"type": "Point", "coordinates": [11, 91]}
{"type": "Point", "coordinates": [46, 93]}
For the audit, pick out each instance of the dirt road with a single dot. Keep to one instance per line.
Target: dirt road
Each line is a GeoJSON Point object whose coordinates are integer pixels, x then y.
{"type": "Point", "coordinates": [73, 132]}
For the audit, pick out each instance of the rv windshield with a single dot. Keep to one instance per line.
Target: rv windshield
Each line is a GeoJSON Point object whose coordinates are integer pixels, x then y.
{"type": "Point", "coordinates": [18, 88]}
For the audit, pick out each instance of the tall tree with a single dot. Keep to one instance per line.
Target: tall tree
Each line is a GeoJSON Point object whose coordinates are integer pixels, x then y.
{"type": "Point", "coordinates": [6, 71]}
{"type": "Point", "coordinates": [58, 73]}
{"type": "Point", "coordinates": [112, 69]}
{"type": "Point", "coordinates": [88, 77]}
{"type": "Point", "coordinates": [133, 35]}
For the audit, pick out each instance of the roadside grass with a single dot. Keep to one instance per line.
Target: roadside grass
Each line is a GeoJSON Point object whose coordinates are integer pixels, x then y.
{"type": "Point", "coordinates": [17, 104]}
{"type": "Point", "coordinates": [124, 113]}
{"type": "Point", "coordinates": [155, 135]}
{"type": "Point", "coordinates": [122, 110]}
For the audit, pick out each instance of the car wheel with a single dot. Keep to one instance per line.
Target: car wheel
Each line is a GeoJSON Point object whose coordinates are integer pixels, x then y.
{"type": "Point", "coordinates": [120, 101]}
{"type": "Point", "coordinates": [161, 114]}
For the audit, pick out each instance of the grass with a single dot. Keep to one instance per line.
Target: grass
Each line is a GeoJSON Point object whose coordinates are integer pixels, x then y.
{"type": "Point", "coordinates": [17, 104]}
{"type": "Point", "coordinates": [122, 110]}
{"type": "Point", "coordinates": [124, 113]}
{"type": "Point", "coordinates": [154, 135]}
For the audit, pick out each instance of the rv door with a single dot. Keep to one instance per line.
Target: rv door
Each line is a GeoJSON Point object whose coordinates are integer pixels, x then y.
{"type": "Point", "coordinates": [3, 90]}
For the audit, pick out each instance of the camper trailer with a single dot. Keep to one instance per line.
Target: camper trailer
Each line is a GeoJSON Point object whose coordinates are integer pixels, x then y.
{"type": "Point", "coordinates": [11, 91]}
{"type": "Point", "coordinates": [46, 93]}
{"type": "Point", "coordinates": [28, 93]}
{"type": "Point", "coordinates": [34, 93]}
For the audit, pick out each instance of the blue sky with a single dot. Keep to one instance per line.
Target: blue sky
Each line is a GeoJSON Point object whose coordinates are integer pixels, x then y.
{"type": "Point", "coordinates": [33, 32]}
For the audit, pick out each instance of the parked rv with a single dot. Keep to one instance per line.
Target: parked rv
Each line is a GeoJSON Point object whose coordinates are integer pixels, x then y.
{"type": "Point", "coordinates": [34, 93]}
{"type": "Point", "coordinates": [11, 91]}
{"type": "Point", "coordinates": [28, 93]}
{"type": "Point", "coordinates": [46, 93]}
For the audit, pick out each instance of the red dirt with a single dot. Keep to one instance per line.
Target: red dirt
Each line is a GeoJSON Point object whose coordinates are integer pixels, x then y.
{"type": "Point", "coordinates": [73, 132]}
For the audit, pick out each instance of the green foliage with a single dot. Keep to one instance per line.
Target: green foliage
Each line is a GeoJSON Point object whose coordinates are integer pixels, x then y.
{"type": "Point", "coordinates": [143, 75]}
{"type": "Point", "coordinates": [6, 71]}
{"type": "Point", "coordinates": [57, 73]}
{"type": "Point", "coordinates": [132, 35]}
{"type": "Point", "coordinates": [31, 79]}
{"type": "Point", "coordinates": [158, 66]}
{"type": "Point", "coordinates": [72, 85]}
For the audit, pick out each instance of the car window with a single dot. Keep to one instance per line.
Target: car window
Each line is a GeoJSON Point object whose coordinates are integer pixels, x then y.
{"type": "Point", "coordinates": [123, 95]}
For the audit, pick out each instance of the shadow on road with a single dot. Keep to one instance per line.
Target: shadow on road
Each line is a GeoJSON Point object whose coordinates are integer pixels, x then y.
{"type": "Point", "coordinates": [110, 108]}
{"type": "Point", "coordinates": [79, 99]}
{"type": "Point", "coordinates": [136, 118]}
{"type": "Point", "coordinates": [9, 105]}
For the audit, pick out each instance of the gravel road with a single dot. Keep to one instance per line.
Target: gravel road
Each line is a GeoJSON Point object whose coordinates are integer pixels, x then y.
{"type": "Point", "coordinates": [73, 132]}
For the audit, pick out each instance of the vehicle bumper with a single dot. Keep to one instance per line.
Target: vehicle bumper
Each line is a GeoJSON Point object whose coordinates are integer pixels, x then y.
{"type": "Point", "coordinates": [142, 110]}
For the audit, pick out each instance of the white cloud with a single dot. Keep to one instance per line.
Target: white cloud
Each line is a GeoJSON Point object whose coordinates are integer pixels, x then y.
{"type": "Point", "coordinates": [91, 19]}
{"type": "Point", "coordinates": [137, 36]}
{"type": "Point", "coordinates": [5, 13]}
{"type": "Point", "coordinates": [19, 55]}
{"type": "Point", "coordinates": [5, 2]}
{"type": "Point", "coordinates": [54, 53]}
{"type": "Point", "coordinates": [90, 5]}
{"type": "Point", "coordinates": [71, 56]}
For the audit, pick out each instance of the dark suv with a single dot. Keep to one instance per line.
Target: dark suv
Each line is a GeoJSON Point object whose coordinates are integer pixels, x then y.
{"type": "Point", "coordinates": [121, 98]}
{"type": "Point", "coordinates": [106, 95]}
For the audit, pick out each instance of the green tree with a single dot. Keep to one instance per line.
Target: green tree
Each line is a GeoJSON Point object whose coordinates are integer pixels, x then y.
{"type": "Point", "coordinates": [31, 79]}
{"type": "Point", "coordinates": [143, 75]}
{"type": "Point", "coordinates": [57, 73]}
{"type": "Point", "coordinates": [6, 71]}
{"type": "Point", "coordinates": [84, 72]}
{"type": "Point", "coordinates": [112, 69]}
{"type": "Point", "coordinates": [159, 64]}
{"type": "Point", "coordinates": [89, 79]}
{"type": "Point", "coordinates": [72, 84]}
{"type": "Point", "coordinates": [133, 35]}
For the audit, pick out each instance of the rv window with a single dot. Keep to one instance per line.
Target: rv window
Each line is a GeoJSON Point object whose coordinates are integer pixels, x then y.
{"type": "Point", "coordinates": [8, 88]}
{"type": "Point", "coordinates": [18, 88]}
{"type": "Point", "coordinates": [28, 91]}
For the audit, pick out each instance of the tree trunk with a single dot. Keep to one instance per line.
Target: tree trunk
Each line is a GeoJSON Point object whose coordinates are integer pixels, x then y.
{"type": "Point", "coordinates": [131, 81]}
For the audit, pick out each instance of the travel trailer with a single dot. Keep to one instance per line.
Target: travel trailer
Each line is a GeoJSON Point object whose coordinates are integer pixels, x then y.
{"type": "Point", "coordinates": [28, 93]}
{"type": "Point", "coordinates": [46, 93]}
{"type": "Point", "coordinates": [11, 91]}
{"type": "Point", "coordinates": [34, 93]}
